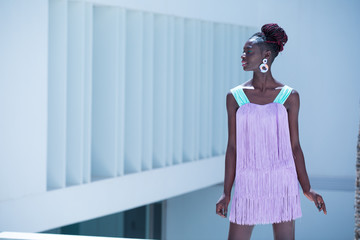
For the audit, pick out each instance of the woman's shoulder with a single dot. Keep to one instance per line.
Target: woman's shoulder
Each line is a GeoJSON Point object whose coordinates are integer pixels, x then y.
{"type": "Point", "coordinates": [293, 90]}
{"type": "Point", "coordinates": [294, 97]}
{"type": "Point", "coordinates": [231, 103]}
{"type": "Point", "coordinates": [288, 88]}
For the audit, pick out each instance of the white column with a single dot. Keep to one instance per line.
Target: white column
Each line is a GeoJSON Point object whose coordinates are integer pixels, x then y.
{"type": "Point", "coordinates": [104, 93]}
{"type": "Point", "coordinates": [178, 90]}
{"type": "Point", "coordinates": [57, 92]}
{"type": "Point", "coordinates": [133, 91]}
{"type": "Point", "coordinates": [160, 88]}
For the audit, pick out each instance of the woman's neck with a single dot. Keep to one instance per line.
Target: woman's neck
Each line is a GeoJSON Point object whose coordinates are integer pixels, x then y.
{"type": "Point", "coordinates": [263, 81]}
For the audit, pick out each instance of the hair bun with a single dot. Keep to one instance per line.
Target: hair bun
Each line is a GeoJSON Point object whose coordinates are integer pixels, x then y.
{"type": "Point", "coordinates": [274, 34]}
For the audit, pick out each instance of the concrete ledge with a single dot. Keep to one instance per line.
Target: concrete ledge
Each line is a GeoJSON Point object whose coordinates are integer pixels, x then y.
{"type": "Point", "coordinates": [70, 205]}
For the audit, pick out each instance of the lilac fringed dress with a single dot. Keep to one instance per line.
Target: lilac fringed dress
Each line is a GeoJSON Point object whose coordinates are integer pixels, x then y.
{"type": "Point", "coordinates": [266, 185]}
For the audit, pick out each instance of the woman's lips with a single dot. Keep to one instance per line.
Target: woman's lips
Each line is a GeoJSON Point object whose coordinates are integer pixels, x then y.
{"type": "Point", "coordinates": [243, 63]}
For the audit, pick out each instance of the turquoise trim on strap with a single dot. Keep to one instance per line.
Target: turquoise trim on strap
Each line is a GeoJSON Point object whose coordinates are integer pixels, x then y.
{"type": "Point", "coordinates": [239, 95]}
{"type": "Point", "coordinates": [283, 94]}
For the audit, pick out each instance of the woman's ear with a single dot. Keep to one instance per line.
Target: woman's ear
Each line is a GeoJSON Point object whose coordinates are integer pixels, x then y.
{"type": "Point", "coordinates": [267, 54]}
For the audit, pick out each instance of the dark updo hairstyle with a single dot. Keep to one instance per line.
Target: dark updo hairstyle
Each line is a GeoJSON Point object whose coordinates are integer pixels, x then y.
{"type": "Point", "coordinates": [272, 37]}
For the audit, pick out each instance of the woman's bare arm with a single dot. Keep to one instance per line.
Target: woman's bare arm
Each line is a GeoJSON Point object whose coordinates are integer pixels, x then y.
{"type": "Point", "coordinates": [230, 156]}
{"type": "Point", "coordinates": [293, 103]}
{"type": "Point", "coordinates": [293, 113]}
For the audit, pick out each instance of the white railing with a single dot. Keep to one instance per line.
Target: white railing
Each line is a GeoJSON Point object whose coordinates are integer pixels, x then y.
{"type": "Point", "coordinates": [46, 236]}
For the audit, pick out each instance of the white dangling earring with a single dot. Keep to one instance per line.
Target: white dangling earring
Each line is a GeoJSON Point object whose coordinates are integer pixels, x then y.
{"type": "Point", "coordinates": [264, 67]}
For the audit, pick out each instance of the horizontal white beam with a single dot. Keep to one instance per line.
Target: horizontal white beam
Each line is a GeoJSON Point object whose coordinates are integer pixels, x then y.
{"type": "Point", "coordinates": [47, 236]}
{"type": "Point", "coordinates": [66, 206]}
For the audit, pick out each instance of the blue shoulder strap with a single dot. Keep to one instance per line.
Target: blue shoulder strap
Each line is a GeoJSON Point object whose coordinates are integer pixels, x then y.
{"type": "Point", "coordinates": [283, 94]}
{"type": "Point", "coordinates": [239, 95]}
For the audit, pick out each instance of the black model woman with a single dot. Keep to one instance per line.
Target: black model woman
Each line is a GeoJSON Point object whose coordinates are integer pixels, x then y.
{"type": "Point", "coordinates": [263, 155]}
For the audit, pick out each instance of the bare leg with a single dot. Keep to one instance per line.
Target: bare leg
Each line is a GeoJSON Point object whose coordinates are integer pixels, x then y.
{"type": "Point", "coordinates": [284, 230]}
{"type": "Point", "coordinates": [240, 232]}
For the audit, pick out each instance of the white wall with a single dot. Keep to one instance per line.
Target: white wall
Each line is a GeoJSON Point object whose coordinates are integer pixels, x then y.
{"type": "Point", "coordinates": [23, 97]}
{"type": "Point", "coordinates": [228, 11]}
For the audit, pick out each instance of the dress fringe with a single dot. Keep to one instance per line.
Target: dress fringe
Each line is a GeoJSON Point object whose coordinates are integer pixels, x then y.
{"type": "Point", "coordinates": [265, 197]}
{"type": "Point", "coordinates": [266, 184]}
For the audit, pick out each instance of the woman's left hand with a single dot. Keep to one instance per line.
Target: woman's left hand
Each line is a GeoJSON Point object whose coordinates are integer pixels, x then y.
{"type": "Point", "coordinates": [317, 199]}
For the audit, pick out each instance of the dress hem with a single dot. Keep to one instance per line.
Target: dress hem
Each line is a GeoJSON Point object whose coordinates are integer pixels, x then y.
{"type": "Point", "coordinates": [267, 222]}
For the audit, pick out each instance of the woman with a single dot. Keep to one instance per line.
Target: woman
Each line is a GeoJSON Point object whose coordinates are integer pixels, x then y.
{"type": "Point", "coordinates": [263, 155]}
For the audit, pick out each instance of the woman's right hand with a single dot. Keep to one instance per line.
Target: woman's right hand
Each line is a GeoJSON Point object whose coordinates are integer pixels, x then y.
{"type": "Point", "coordinates": [222, 205]}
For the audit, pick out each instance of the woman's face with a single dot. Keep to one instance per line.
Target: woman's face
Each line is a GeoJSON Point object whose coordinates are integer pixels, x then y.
{"type": "Point", "coordinates": [252, 56]}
